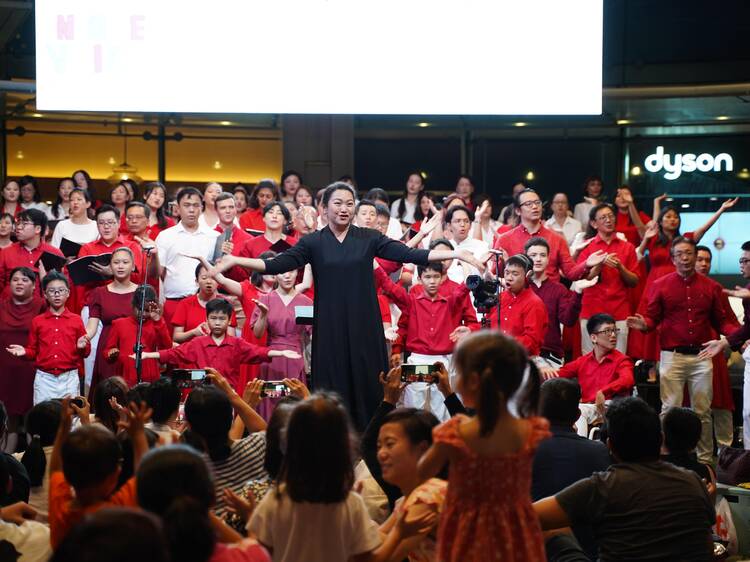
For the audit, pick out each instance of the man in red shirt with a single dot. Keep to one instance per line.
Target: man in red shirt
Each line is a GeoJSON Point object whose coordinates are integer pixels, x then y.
{"type": "Point", "coordinates": [30, 230]}
{"type": "Point", "coordinates": [56, 343]}
{"type": "Point", "coordinates": [686, 306]}
{"type": "Point", "coordinates": [431, 324]}
{"type": "Point", "coordinates": [226, 209]}
{"type": "Point", "coordinates": [528, 207]}
{"type": "Point", "coordinates": [605, 372]}
{"type": "Point", "coordinates": [218, 350]}
{"type": "Point", "coordinates": [523, 314]}
{"type": "Point", "coordinates": [616, 274]}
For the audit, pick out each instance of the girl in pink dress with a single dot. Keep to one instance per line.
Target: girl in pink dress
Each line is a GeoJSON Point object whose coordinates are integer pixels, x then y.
{"type": "Point", "coordinates": [275, 315]}
{"type": "Point", "coordinates": [487, 514]}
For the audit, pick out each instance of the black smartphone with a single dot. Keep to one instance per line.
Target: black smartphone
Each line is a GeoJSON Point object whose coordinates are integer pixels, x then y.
{"type": "Point", "coordinates": [186, 378]}
{"type": "Point", "coordinates": [419, 373]}
{"type": "Point", "coordinates": [274, 389]}
{"type": "Point", "coordinates": [77, 401]}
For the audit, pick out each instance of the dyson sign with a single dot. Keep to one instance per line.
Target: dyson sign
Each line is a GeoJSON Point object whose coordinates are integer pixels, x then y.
{"type": "Point", "coordinates": [675, 165]}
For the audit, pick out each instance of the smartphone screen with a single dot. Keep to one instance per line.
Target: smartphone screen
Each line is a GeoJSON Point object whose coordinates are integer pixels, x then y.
{"type": "Point", "coordinates": [197, 374]}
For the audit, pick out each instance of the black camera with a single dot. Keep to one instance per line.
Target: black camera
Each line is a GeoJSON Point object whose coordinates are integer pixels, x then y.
{"type": "Point", "coordinates": [484, 291]}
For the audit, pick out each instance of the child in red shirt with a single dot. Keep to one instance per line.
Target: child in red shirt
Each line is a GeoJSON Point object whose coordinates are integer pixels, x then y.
{"type": "Point", "coordinates": [122, 338]}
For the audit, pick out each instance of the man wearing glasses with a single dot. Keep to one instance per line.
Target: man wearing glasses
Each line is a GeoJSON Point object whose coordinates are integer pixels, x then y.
{"type": "Point", "coordinates": [737, 339]}
{"type": "Point", "coordinates": [616, 274]}
{"type": "Point", "coordinates": [528, 208]}
{"type": "Point", "coordinates": [686, 305]}
{"type": "Point", "coordinates": [31, 227]}
{"type": "Point", "coordinates": [603, 374]}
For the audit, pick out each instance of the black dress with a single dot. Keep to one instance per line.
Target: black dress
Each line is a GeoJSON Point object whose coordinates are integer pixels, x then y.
{"type": "Point", "coordinates": [348, 347]}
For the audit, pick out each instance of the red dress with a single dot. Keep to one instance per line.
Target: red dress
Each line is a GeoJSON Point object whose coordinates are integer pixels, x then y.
{"type": "Point", "coordinates": [16, 373]}
{"type": "Point", "coordinates": [487, 514]}
{"type": "Point", "coordinates": [122, 336]}
{"type": "Point", "coordinates": [249, 371]}
{"type": "Point", "coordinates": [107, 307]}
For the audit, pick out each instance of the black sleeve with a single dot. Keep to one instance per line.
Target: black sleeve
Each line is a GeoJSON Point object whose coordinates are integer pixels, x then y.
{"type": "Point", "coordinates": [369, 444]}
{"type": "Point", "coordinates": [394, 250]}
{"type": "Point", "coordinates": [454, 405]}
{"type": "Point", "coordinates": [293, 258]}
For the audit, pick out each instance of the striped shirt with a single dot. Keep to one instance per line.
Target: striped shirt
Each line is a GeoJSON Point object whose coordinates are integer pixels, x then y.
{"type": "Point", "coordinates": [244, 463]}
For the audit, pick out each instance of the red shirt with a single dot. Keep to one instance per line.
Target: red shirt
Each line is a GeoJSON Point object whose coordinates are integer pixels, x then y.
{"type": "Point", "coordinates": [524, 317]}
{"type": "Point", "coordinates": [613, 375]}
{"type": "Point", "coordinates": [563, 307]}
{"type": "Point", "coordinates": [610, 294]}
{"type": "Point", "coordinates": [385, 309]}
{"type": "Point", "coordinates": [256, 245]}
{"type": "Point", "coordinates": [559, 255]}
{"type": "Point", "coordinates": [226, 357]}
{"type": "Point", "coordinates": [427, 323]}
{"type": "Point", "coordinates": [53, 342]}
{"type": "Point", "coordinates": [625, 225]}
{"type": "Point", "coordinates": [122, 336]}
{"type": "Point", "coordinates": [253, 219]}
{"type": "Point", "coordinates": [190, 313]}
{"type": "Point", "coordinates": [17, 255]}
{"type": "Point", "coordinates": [686, 310]}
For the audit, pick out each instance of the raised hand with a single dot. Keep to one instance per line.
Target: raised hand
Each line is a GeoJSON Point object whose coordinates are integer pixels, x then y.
{"type": "Point", "coordinates": [289, 354]}
{"type": "Point", "coordinates": [241, 506]}
{"type": "Point", "coordinates": [660, 198]}
{"type": "Point", "coordinates": [392, 385]}
{"type": "Point", "coordinates": [612, 261]}
{"type": "Point", "coordinates": [651, 230]}
{"type": "Point", "coordinates": [135, 418]}
{"type": "Point", "coordinates": [739, 292]}
{"type": "Point", "coordinates": [261, 306]}
{"type": "Point", "coordinates": [444, 380]}
{"type": "Point", "coordinates": [83, 412]}
{"type": "Point", "coordinates": [154, 311]}
{"type": "Point", "coordinates": [252, 391]}
{"type": "Point", "coordinates": [548, 373]}
{"type": "Point", "coordinates": [459, 333]}
{"type": "Point", "coordinates": [430, 224]}
{"type": "Point", "coordinates": [219, 381]}
{"type": "Point", "coordinates": [415, 521]}
{"type": "Point", "coordinates": [227, 247]}
{"type": "Point", "coordinates": [596, 258]}
{"type": "Point", "coordinates": [579, 244]}
{"type": "Point", "coordinates": [728, 204]}
{"type": "Point", "coordinates": [637, 322]}
{"type": "Point", "coordinates": [297, 388]}
{"type": "Point", "coordinates": [145, 242]}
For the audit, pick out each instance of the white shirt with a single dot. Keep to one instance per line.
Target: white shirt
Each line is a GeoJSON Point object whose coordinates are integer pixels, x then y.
{"type": "Point", "coordinates": [314, 532]}
{"type": "Point", "coordinates": [78, 233]}
{"type": "Point", "coordinates": [171, 244]}
{"type": "Point", "coordinates": [31, 540]}
{"type": "Point", "coordinates": [581, 212]}
{"type": "Point", "coordinates": [408, 213]}
{"type": "Point", "coordinates": [394, 229]}
{"type": "Point", "coordinates": [459, 271]}
{"type": "Point", "coordinates": [569, 229]}
{"type": "Point", "coordinates": [43, 207]}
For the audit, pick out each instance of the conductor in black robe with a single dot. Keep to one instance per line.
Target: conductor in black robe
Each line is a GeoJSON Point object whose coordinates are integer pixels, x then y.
{"type": "Point", "coordinates": [348, 346]}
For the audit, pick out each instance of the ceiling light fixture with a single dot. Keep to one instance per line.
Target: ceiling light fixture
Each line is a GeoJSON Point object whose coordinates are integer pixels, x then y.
{"type": "Point", "coordinates": [520, 124]}
{"type": "Point", "coordinates": [723, 118]}
{"type": "Point", "coordinates": [624, 121]}
{"type": "Point", "coordinates": [423, 124]}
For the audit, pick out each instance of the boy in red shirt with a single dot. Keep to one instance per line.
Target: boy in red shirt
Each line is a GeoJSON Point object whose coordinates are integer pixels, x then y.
{"type": "Point", "coordinates": [431, 323]}
{"type": "Point", "coordinates": [85, 466]}
{"type": "Point", "coordinates": [604, 372]}
{"type": "Point", "coordinates": [218, 350]}
{"type": "Point", "coordinates": [57, 343]}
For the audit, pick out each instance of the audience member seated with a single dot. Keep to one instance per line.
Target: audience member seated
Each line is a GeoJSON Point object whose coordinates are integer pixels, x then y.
{"type": "Point", "coordinates": [682, 431]}
{"type": "Point", "coordinates": [22, 538]}
{"type": "Point", "coordinates": [174, 483]}
{"type": "Point", "coordinates": [115, 535]}
{"type": "Point", "coordinates": [641, 508]}
{"type": "Point", "coordinates": [566, 457]}
{"type": "Point", "coordinates": [604, 373]}
{"type": "Point", "coordinates": [163, 397]}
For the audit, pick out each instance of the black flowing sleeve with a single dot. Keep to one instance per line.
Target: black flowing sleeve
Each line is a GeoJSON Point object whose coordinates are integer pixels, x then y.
{"type": "Point", "coordinates": [293, 258]}
{"type": "Point", "coordinates": [369, 446]}
{"type": "Point", "coordinates": [393, 250]}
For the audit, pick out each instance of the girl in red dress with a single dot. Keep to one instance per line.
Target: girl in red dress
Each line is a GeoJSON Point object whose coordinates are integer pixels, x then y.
{"type": "Point", "coordinates": [17, 310]}
{"type": "Point", "coordinates": [122, 338]}
{"type": "Point", "coordinates": [487, 514]}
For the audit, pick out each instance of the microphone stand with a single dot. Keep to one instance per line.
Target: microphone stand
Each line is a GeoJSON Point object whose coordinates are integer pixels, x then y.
{"type": "Point", "coordinates": [138, 347]}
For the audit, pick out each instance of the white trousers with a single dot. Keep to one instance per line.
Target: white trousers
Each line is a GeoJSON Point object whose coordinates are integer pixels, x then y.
{"type": "Point", "coordinates": [49, 387]}
{"type": "Point", "coordinates": [622, 337]}
{"type": "Point", "coordinates": [427, 396]}
{"type": "Point", "coordinates": [675, 371]}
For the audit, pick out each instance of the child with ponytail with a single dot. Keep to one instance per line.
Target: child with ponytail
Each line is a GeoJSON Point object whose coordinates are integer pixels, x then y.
{"type": "Point", "coordinates": [487, 512]}
{"type": "Point", "coordinates": [42, 422]}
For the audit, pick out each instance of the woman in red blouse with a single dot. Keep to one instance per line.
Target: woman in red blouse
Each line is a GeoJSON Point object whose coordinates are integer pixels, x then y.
{"type": "Point", "coordinates": [264, 193]}
{"type": "Point", "coordinates": [156, 199]}
{"type": "Point", "coordinates": [10, 198]}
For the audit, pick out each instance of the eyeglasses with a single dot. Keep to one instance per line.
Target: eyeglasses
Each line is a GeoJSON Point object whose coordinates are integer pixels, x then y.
{"type": "Point", "coordinates": [107, 223]}
{"type": "Point", "coordinates": [22, 224]}
{"type": "Point", "coordinates": [609, 331]}
{"type": "Point", "coordinates": [744, 261]}
{"type": "Point", "coordinates": [606, 218]}
{"type": "Point", "coordinates": [56, 292]}
{"type": "Point", "coordinates": [531, 204]}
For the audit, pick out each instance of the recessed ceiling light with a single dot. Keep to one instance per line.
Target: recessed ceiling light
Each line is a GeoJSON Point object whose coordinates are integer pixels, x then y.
{"type": "Point", "coordinates": [635, 171]}
{"type": "Point", "coordinates": [723, 118]}
{"type": "Point", "coordinates": [624, 121]}
{"type": "Point", "coordinates": [423, 174]}
{"type": "Point", "coordinates": [37, 115]}
{"type": "Point", "coordinates": [669, 199]}
{"type": "Point", "coordinates": [423, 124]}
{"type": "Point", "coordinates": [713, 198]}
{"type": "Point", "coordinates": [685, 205]}
{"type": "Point", "coordinates": [217, 165]}
{"type": "Point", "coordinates": [225, 123]}
{"type": "Point", "coordinates": [520, 124]}
{"type": "Point", "coordinates": [530, 176]}
{"type": "Point", "coordinates": [127, 119]}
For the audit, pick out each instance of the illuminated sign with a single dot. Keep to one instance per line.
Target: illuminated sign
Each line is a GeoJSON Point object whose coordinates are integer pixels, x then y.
{"type": "Point", "coordinates": [675, 165]}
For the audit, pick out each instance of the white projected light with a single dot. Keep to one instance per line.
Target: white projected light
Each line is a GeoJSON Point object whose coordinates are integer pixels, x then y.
{"type": "Point", "coordinates": [418, 57]}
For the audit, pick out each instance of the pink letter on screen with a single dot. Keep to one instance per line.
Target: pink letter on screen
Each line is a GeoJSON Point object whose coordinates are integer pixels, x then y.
{"type": "Point", "coordinates": [136, 27]}
{"type": "Point", "coordinates": [66, 27]}
{"type": "Point", "coordinates": [97, 58]}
